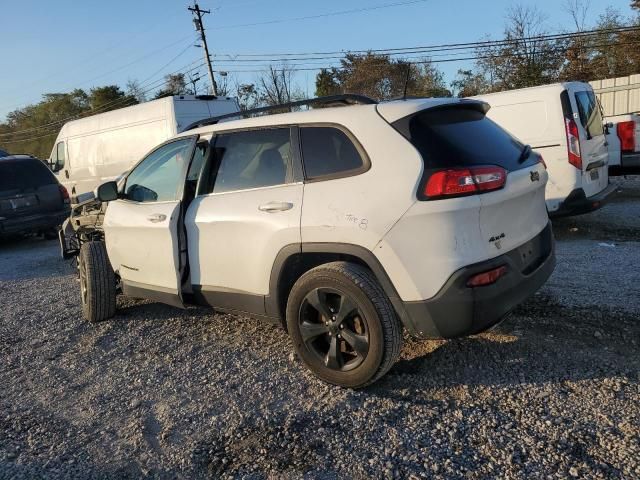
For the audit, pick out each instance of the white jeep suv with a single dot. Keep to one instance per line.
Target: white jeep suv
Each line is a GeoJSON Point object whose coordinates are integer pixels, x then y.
{"type": "Point", "coordinates": [347, 224]}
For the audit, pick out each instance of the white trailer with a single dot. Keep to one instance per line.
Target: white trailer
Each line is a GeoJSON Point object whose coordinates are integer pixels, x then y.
{"type": "Point", "coordinates": [99, 148]}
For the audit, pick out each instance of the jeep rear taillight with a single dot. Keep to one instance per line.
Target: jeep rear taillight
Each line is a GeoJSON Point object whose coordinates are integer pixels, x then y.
{"type": "Point", "coordinates": [627, 136]}
{"type": "Point", "coordinates": [573, 143]}
{"type": "Point", "coordinates": [465, 181]}
{"type": "Point", "coordinates": [64, 194]}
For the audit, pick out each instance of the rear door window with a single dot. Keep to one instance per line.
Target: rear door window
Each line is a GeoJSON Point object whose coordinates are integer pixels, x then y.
{"type": "Point", "coordinates": [461, 137]}
{"type": "Point", "coordinates": [251, 159]}
{"type": "Point", "coordinates": [589, 114]}
{"type": "Point", "coordinates": [24, 174]}
{"type": "Point", "coordinates": [328, 152]}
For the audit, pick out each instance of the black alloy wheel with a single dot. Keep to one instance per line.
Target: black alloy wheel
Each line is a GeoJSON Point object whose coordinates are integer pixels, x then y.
{"type": "Point", "coordinates": [334, 329]}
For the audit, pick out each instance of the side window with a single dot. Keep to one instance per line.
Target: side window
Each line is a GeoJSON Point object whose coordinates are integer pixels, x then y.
{"type": "Point", "coordinates": [60, 156]}
{"type": "Point", "coordinates": [159, 177]}
{"type": "Point", "coordinates": [589, 113]}
{"type": "Point", "coordinates": [251, 159]}
{"type": "Point", "coordinates": [327, 151]}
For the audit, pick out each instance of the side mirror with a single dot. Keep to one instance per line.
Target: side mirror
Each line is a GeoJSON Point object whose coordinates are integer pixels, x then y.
{"type": "Point", "coordinates": [609, 125]}
{"type": "Point", "coordinates": [107, 192]}
{"type": "Point", "coordinates": [55, 166]}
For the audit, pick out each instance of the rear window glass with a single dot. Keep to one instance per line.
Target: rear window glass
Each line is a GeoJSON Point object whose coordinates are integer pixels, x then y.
{"type": "Point", "coordinates": [589, 112]}
{"type": "Point", "coordinates": [252, 159]}
{"type": "Point", "coordinates": [459, 137]}
{"type": "Point", "coordinates": [327, 151]}
{"type": "Point", "coordinates": [23, 174]}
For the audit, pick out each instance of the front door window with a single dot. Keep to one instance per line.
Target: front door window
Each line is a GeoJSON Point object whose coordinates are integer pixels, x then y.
{"type": "Point", "coordinates": [160, 176]}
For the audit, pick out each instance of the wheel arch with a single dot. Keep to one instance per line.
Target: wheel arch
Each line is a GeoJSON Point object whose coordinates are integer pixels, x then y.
{"type": "Point", "coordinates": [294, 260]}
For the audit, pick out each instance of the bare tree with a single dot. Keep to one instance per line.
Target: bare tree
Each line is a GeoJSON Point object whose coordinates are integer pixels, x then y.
{"type": "Point", "coordinates": [578, 51]}
{"type": "Point", "coordinates": [135, 90]}
{"type": "Point", "coordinates": [223, 85]}
{"type": "Point", "coordinates": [276, 86]}
{"type": "Point", "coordinates": [578, 10]}
{"type": "Point", "coordinates": [525, 59]}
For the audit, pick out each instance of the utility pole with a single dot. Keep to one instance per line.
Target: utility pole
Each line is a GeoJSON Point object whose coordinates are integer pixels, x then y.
{"type": "Point", "coordinates": [197, 20]}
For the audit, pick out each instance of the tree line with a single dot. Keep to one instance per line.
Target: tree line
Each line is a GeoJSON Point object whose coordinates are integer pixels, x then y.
{"type": "Point", "coordinates": [525, 56]}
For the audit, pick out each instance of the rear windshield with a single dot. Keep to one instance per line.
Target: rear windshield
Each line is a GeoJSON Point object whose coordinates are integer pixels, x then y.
{"type": "Point", "coordinates": [461, 137]}
{"type": "Point", "coordinates": [23, 174]}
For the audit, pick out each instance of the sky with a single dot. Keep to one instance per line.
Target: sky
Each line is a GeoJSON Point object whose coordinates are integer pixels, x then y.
{"type": "Point", "coordinates": [56, 46]}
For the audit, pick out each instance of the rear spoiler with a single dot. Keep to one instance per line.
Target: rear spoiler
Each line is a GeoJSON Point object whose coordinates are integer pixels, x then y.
{"type": "Point", "coordinates": [398, 110]}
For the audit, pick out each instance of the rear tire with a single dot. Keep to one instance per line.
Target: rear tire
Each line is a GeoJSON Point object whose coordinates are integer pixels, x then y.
{"type": "Point", "coordinates": [97, 282]}
{"type": "Point", "coordinates": [343, 325]}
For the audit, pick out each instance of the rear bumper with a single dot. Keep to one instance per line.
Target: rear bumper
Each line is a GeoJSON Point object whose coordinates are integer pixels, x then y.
{"type": "Point", "coordinates": [578, 203]}
{"type": "Point", "coordinates": [33, 223]}
{"type": "Point", "coordinates": [629, 165]}
{"type": "Point", "coordinates": [458, 310]}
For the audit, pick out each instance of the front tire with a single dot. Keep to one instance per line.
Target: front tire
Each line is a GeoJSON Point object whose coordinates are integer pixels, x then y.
{"type": "Point", "coordinates": [97, 282]}
{"type": "Point", "coordinates": [342, 325]}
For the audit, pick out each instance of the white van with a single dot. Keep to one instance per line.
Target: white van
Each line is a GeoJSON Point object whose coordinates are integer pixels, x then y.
{"type": "Point", "coordinates": [561, 122]}
{"type": "Point", "coordinates": [102, 147]}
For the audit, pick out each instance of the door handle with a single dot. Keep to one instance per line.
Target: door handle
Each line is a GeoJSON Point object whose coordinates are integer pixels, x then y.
{"type": "Point", "coordinates": [273, 207]}
{"type": "Point", "coordinates": [157, 218]}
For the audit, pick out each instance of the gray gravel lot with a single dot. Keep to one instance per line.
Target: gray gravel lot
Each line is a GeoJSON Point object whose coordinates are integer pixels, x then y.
{"type": "Point", "coordinates": [163, 393]}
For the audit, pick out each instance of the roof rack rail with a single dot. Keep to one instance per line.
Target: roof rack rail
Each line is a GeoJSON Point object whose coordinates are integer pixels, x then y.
{"type": "Point", "coordinates": [346, 99]}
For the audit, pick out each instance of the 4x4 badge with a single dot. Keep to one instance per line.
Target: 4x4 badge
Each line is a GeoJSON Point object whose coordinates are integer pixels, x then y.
{"type": "Point", "coordinates": [535, 176]}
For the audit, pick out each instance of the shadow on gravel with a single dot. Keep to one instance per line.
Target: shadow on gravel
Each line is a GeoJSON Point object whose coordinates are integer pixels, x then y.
{"type": "Point", "coordinates": [543, 342]}
{"type": "Point", "coordinates": [143, 309]}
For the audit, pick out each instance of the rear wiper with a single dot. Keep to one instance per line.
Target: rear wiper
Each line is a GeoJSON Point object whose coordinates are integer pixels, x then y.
{"type": "Point", "coordinates": [526, 151]}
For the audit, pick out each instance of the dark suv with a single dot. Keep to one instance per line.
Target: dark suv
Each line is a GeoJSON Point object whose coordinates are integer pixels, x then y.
{"type": "Point", "coordinates": [31, 199]}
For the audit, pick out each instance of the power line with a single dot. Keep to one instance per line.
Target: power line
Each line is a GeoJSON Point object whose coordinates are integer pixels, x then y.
{"type": "Point", "coordinates": [429, 61]}
{"type": "Point", "coordinates": [30, 139]}
{"type": "Point", "coordinates": [414, 50]}
{"type": "Point", "coordinates": [182, 52]}
{"type": "Point", "coordinates": [323, 15]}
{"type": "Point", "coordinates": [102, 108]}
{"type": "Point", "coordinates": [122, 67]}
{"type": "Point", "coordinates": [428, 48]}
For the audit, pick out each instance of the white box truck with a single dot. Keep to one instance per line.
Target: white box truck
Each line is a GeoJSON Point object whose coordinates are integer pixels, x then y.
{"type": "Point", "coordinates": [100, 148]}
{"type": "Point", "coordinates": [561, 122]}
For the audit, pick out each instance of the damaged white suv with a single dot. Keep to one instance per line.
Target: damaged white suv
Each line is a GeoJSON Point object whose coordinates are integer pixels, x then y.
{"type": "Point", "coordinates": [346, 224]}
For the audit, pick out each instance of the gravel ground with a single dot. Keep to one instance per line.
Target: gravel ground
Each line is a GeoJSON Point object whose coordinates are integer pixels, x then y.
{"type": "Point", "coordinates": [163, 393]}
